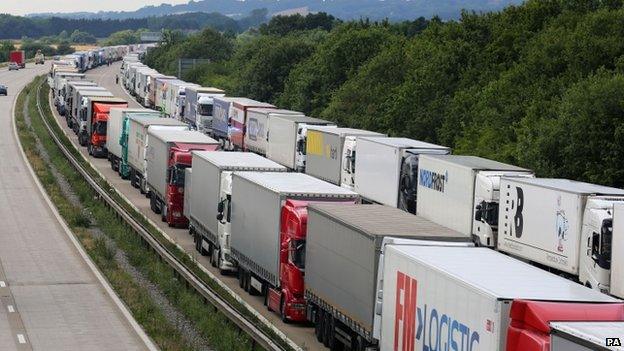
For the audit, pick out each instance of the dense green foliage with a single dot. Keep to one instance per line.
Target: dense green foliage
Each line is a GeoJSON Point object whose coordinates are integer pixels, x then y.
{"type": "Point", "coordinates": [539, 85]}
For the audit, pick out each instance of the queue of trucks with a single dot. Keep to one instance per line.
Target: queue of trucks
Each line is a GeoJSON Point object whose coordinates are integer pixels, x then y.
{"type": "Point", "coordinates": [378, 242]}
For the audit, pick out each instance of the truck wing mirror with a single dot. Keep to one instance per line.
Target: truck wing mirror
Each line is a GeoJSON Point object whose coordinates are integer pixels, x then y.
{"type": "Point", "coordinates": [220, 208]}
{"type": "Point", "coordinates": [220, 217]}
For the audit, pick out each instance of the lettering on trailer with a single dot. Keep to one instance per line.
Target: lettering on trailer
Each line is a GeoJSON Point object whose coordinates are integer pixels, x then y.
{"type": "Point", "coordinates": [433, 180]}
{"type": "Point", "coordinates": [220, 113]}
{"type": "Point", "coordinates": [438, 332]}
{"type": "Point", "coordinates": [255, 129]}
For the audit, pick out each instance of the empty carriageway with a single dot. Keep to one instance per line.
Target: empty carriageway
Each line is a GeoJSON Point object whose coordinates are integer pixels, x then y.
{"type": "Point", "coordinates": [51, 295]}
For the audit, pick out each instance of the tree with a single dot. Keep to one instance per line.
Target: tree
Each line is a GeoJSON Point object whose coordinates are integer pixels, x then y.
{"type": "Point", "coordinates": [82, 37]}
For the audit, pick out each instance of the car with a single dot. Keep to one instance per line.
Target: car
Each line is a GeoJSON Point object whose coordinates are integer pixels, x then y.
{"type": "Point", "coordinates": [4, 90]}
{"type": "Point", "coordinates": [13, 66]}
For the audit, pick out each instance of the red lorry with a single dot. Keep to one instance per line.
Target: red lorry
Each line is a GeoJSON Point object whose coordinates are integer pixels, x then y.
{"type": "Point", "coordinates": [167, 155]}
{"type": "Point", "coordinates": [19, 57]}
{"type": "Point", "coordinates": [93, 120]}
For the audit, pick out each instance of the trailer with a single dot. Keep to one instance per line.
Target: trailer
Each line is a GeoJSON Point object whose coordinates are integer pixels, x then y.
{"type": "Point", "coordinates": [344, 249]}
{"type": "Point", "coordinates": [137, 144]}
{"type": "Point", "coordinates": [213, 189]}
{"type": "Point", "coordinates": [238, 120]}
{"type": "Point", "coordinates": [616, 285]}
{"type": "Point", "coordinates": [117, 135]}
{"type": "Point", "coordinates": [150, 100]}
{"type": "Point", "coordinates": [325, 147]}
{"type": "Point", "coordinates": [477, 299]}
{"type": "Point", "coordinates": [566, 226]}
{"type": "Point", "coordinates": [19, 57]}
{"type": "Point", "coordinates": [198, 106]}
{"type": "Point", "coordinates": [462, 192]}
{"type": "Point", "coordinates": [78, 122]}
{"type": "Point", "coordinates": [95, 114]}
{"type": "Point", "coordinates": [586, 336]}
{"type": "Point", "coordinates": [287, 144]}
{"type": "Point", "coordinates": [387, 169]}
{"type": "Point", "coordinates": [258, 122]}
{"type": "Point", "coordinates": [167, 155]}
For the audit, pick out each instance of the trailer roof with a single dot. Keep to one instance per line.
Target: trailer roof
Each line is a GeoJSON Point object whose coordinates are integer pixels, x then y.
{"type": "Point", "coordinates": [181, 136]}
{"type": "Point", "coordinates": [81, 83]}
{"type": "Point", "coordinates": [133, 110]}
{"type": "Point", "coordinates": [382, 221]}
{"type": "Point", "coordinates": [345, 131]}
{"type": "Point", "coordinates": [275, 111]}
{"type": "Point", "coordinates": [572, 186]}
{"type": "Point", "coordinates": [246, 102]}
{"type": "Point", "coordinates": [96, 93]}
{"type": "Point", "coordinates": [499, 275]}
{"type": "Point", "coordinates": [304, 119]}
{"type": "Point", "coordinates": [241, 161]}
{"type": "Point", "coordinates": [68, 74]}
{"type": "Point", "coordinates": [477, 163]}
{"type": "Point", "coordinates": [404, 143]}
{"type": "Point", "coordinates": [151, 121]}
{"type": "Point", "coordinates": [295, 184]}
{"type": "Point", "coordinates": [88, 87]}
{"type": "Point", "coordinates": [594, 332]}
{"type": "Point", "coordinates": [201, 89]}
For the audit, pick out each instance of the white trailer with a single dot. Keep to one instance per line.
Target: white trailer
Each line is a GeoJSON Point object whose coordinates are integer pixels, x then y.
{"type": "Point", "coordinates": [387, 169]}
{"type": "Point", "coordinates": [117, 128]}
{"type": "Point", "coordinates": [561, 224]}
{"type": "Point", "coordinates": [258, 122]}
{"type": "Point", "coordinates": [462, 192]}
{"type": "Point", "coordinates": [198, 103]}
{"type": "Point", "coordinates": [587, 336]}
{"type": "Point", "coordinates": [138, 141]}
{"type": "Point", "coordinates": [213, 189]}
{"type": "Point", "coordinates": [616, 287]}
{"type": "Point", "coordinates": [437, 296]}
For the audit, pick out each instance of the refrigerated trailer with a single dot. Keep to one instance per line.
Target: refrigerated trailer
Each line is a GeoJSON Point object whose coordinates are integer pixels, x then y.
{"type": "Point", "coordinates": [269, 248]}
{"type": "Point", "coordinates": [344, 249]}
{"type": "Point", "coordinates": [213, 190]}
{"type": "Point", "coordinates": [564, 225]}
{"type": "Point", "coordinates": [325, 147]}
{"type": "Point", "coordinates": [258, 122]}
{"type": "Point", "coordinates": [387, 169]}
{"type": "Point", "coordinates": [586, 336]}
{"type": "Point", "coordinates": [117, 134]}
{"type": "Point", "coordinates": [462, 192]}
{"type": "Point", "coordinates": [287, 144]}
{"type": "Point", "coordinates": [137, 144]}
{"type": "Point", "coordinates": [167, 155]}
{"type": "Point", "coordinates": [477, 299]}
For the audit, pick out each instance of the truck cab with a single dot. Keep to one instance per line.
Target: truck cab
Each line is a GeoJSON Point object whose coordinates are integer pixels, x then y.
{"type": "Point", "coordinates": [95, 117]}
{"type": "Point", "coordinates": [222, 258]}
{"type": "Point", "coordinates": [348, 163]}
{"type": "Point", "coordinates": [80, 103]}
{"type": "Point", "coordinates": [597, 242]}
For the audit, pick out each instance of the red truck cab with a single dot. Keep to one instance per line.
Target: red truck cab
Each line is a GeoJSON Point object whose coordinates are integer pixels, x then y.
{"type": "Point", "coordinates": [289, 300]}
{"type": "Point", "coordinates": [19, 57]}
{"type": "Point", "coordinates": [97, 140]}
{"type": "Point", "coordinates": [529, 327]}
{"type": "Point", "coordinates": [180, 158]}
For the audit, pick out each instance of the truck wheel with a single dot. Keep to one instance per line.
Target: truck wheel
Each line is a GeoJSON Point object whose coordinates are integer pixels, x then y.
{"type": "Point", "coordinates": [327, 328]}
{"type": "Point", "coordinates": [202, 251]}
{"type": "Point", "coordinates": [154, 206]}
{"type": "Point", "coordinates": [241, 278]}
{"type": "Point", "coordinates": [133, 178]}
{"type": "Point", "coordinates": [213, 256]}
{"type": "Point", "coordinates": [283, 311]}
{"type": "Point", "coordinates": [358, 344]}
{"type": "Point", "coordinates": [318, 325]}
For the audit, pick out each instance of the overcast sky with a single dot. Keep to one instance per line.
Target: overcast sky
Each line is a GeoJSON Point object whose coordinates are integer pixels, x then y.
{"type": "Point", "coordinates": [22, 7]}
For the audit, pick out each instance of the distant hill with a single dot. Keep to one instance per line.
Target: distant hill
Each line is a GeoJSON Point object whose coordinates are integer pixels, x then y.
{"type": "Point", "coordinates": [344, 9]}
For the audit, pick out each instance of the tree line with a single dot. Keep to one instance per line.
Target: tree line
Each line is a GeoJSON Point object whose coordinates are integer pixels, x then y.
{"type": "Point", "coordinates": [539, 85]}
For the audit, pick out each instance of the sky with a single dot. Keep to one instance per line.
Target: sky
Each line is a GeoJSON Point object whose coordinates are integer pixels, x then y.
{"type": "Point", "coordinates": [22, 7]}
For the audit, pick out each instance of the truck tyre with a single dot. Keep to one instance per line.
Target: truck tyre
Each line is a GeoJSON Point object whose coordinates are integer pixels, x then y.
{"type": "Point", "coordinates": [133, 178]}
{"type": "Point", "coordinates": [220, 264]}
{"type": "Point", "coordinates": [318, 324]}
{"type": "Point", "coordinates": [241, 278]}
{"type": "Point", "coordinates": [153, 205]}
{"type": "Point", "coordinates": [283, 311]}
{"type": "Point", "coordinates": [213, 256]}
{"type": "Point", "coordinates": [327, 328]}
{"type": "Point", "coordinates": [163, 211]}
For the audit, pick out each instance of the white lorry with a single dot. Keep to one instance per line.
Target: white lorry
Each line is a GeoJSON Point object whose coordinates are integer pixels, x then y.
{"type": "Point", "coordinates": [198, 106]}
{"type": "Point", "coordinates": [287, 144]}
{"type": "Point", "coordinates": [564, 225]}
{"type": "Point", "coordinates": [616, 286]}
{"type": "Point", "coordinates": [462, 192]}
{"type": "Point", "coordinates": [117, 134]}
{"type": "Point", "coordinates": [138, 141]}
{"type": "Point", "coordinates": [453, 298]}
{"type": "Point", "coordinates": [258, 122]}
{"type": "Point", "coordinates": [212, 195]}
{"type": "Point", "coordinates": [387, 169]}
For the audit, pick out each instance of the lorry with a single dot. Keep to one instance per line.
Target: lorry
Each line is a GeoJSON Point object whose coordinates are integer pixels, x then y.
{"type": "Point", "coordinates": [562, 225]}
{"type": "Point", "coordinates": [213, 190]}
{"type": "Point", "coordinates": [179, 101]}
{"type": "Point", "coordinates": [343, 258]}
{"type": "Point", "coordinates": [39, 58]}
{"type": "Point", "coordinates": [268, 237]}
{"type": "Point", "coordinates": [76, 123]}
{"type": "Point", "coordinates": [117, 134]}
{"type": "Point", "coordinates": [66, 107]}
{"type": "Point", "coordinates": [94, 114]}
{"type": "Point", "coordinates": [143, 84]}
{"type": "Point", "coordinates": [586, 336]}
{"type": "Point", "coordinates": [19, 57]}
{"type": "Point", "coordinates": [287, 144]}
{"type": "Point", "coordinates": [258, 121]}
{"type": "Point", "coordinates": [616, 285]}
{"type": "Point", "coordinates": [477, 299]}
{"type": "Point", "coordinates": [168, 154]}
{"type": "Point", "coordinates": [174, 100]}
{"type": "Point", "coordinates": [134, 166]}
{"type": "Point", "coordinates": [59, 88]}
{"type": "Point", "coordinates": [198, 103]}
{"type": "Point", "coordinates": [462, 192]}
{"type": "Point", "coordinates": [324, 149]}
{"type": "Point", "coordinates": [238, 120]}
{"type": "Point", "coordinates": [387, 169]}
{"type": "Point", "coordinates": [151, 87]}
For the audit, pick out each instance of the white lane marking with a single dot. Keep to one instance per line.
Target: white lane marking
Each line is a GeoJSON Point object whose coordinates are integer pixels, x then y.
{"type": "Point", "coordinates": [21, 338]}
{"type": "Point", "coordinates": [10, 308]}
{"type": "Point", "coordinates": [2, 284]}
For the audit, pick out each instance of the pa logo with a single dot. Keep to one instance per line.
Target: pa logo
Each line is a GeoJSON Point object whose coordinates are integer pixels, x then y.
{"type": "Point", "coordinates": [613, 342]}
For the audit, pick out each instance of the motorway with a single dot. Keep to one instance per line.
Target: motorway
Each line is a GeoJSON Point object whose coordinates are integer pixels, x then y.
{"type": "Point", "coordinates": [51, 295]}
{"type": "Point", "coordinates": [105, 77]}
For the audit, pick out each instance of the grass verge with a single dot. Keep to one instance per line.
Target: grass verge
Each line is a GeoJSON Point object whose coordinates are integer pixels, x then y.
{"type": "Point", "coordinates": [220, 333]}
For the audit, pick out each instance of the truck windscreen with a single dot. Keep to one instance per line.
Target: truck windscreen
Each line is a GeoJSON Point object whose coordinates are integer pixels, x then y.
{"type": "Point", "coordinates": [204, 109]}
